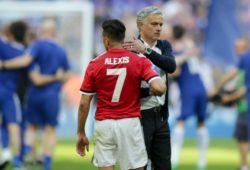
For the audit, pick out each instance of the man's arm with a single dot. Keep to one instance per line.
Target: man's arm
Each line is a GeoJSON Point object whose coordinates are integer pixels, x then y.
{"type": "Point", "coordinates": [18, 62]}
{"type": "Point", "coordinates": [157, 87]}
{"type": "Point", "coordinates": [40, 80]}
{"type": "Point", "coordinates": [66, 67]}
{"type": "Point", "coordinates": [65, 76]}
{"type": "Point", "coordinates": [234, 96]}
{"type": "Point", "coordinates": [82, 140]}
{"type": "Point", "coordinates": [229, 76]}
{"type": "Point", "coordinates": [165, 61]}
{"type": "Point", "coordinates": [192, 52]}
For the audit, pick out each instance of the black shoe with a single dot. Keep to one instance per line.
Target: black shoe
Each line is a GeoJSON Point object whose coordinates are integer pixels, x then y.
{"type": "Point", "coordinates": [4, 164]}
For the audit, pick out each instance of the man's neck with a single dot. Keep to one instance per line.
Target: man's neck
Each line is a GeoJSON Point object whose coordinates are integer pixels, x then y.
{"type": "Point", "coordinates": [150, 42]}
{"type": "Point", "coordinates": [47, 36]}
{"type": "Point", "coordinates": [115, 46]}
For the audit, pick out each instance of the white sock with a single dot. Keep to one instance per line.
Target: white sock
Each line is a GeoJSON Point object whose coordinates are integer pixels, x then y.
{"type": "Point", "coordinates": [177, 141]}
{"type": "Point", "coordinates": [6, 155]}
{"type": "Point", "coordinates": [203, 140]}
{"type": "Point", "coordinates": [244, 167]}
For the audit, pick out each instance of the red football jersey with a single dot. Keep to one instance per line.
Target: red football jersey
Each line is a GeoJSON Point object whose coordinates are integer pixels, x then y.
{"type": "Point", "coordinates": [115, 77]}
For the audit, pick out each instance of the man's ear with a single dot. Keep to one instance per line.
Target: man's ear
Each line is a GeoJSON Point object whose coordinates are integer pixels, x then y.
{"type": "Point", "coordinates": [11, 37]}
{"type": "Point", "coordinates": [106, 42]}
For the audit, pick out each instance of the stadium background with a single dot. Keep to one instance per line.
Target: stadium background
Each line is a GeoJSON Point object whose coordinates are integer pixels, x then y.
{"type": "Point", "coordinates": [213, 24]}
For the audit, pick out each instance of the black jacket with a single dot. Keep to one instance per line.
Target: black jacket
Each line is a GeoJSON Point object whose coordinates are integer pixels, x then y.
{"type": "Point", "coordinates": [164, 61]}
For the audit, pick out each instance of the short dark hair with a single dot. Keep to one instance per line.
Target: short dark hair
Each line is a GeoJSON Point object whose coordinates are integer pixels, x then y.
{"type": "Point", "coordinates": [178, 31]}
{"type": "Point", "coordinates": [114, 29]}
{"type": "Point", "coordinates": [18, 30]}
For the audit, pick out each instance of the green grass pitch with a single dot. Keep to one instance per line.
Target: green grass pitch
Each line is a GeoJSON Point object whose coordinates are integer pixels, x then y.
{"type": "Point", "coordinates": [222, 155]}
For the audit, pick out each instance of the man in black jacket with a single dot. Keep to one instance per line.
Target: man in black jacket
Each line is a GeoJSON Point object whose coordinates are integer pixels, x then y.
{"type": "Point", "coordinates": [154, 110]}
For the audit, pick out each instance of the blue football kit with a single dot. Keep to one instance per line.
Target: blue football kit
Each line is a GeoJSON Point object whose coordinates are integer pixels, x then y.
{"type": "Point", "coordinates": [192, 91]}
{"type": "Point", "coordinates": [244, 64]}
{"type": "Point", "coordinates": [43, 101]}
{"type": "Point", "coordinates": [9, 103]}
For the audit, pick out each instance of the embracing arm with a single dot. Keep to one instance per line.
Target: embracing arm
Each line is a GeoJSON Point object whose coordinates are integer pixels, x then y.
{"type": "Point", "coordinates": [40, 79]}
{"type": "Point", "coordinates": [229, 76]}
{"type": "Point", "coordinates": [165, 62]}
{"type": "Point", "coordinates": [19, 62]}
{"type": "Point", "coordinates": [157, 87]}
{"type": "Point", "coordinates": [65, 76]}
{"type": "Point", "coordinates": [234, 96]}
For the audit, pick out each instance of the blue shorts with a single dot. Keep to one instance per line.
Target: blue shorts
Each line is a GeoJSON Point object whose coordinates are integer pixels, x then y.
{"type": "Point", "coordinates": [241, 128]}
{"type": "Point", "coordinates": [194, 105]}
{"type": "Point", "coordinates": [10, 108]}
{"type": "Point", "coordinates": [43, 110]}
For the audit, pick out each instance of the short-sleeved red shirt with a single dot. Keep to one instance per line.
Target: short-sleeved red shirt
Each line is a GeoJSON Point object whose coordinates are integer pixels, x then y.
{"type": "Point", "coordinates": [115, 77]}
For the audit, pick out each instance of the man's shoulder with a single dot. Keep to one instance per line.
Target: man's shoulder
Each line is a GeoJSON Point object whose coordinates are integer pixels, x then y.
{"type": "Point", "coordinates": [163, 43]}
{"type": "Point", "coordinates": [39, 41]}
{"type": "Point", "coordinates": [36, 44]}
{"type": "Point", "coordinates": [244, 59]}
{"type": "Point", "coordinates": [12, 50]}
{"type": "Point", "coordinates": [2, 41]}
{"type": "Point", "coordinates": [136, 55]}
{"type": "Point", "coordinates": [100, 56]}
{"type": "Point", "coordinates": [47, 42]}
{"type": "Point", "coordinates": [138, 60]}
{"type": "Point", "coordinates": [95, 62]}
{"type": "Point", "coordinates": [247, 55]}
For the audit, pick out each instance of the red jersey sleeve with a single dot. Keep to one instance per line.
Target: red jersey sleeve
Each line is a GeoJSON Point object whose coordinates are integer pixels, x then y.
{"type": "Point", "coordinates": [88, 86]}
{"type": "Point", "coordinates": [148, 73]}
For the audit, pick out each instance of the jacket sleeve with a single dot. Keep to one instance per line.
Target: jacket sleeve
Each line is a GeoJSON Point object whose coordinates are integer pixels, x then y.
{"type": "Point", "coordinates": [166, 60]}
{"type": "Point", "coordinates": [144, 92]}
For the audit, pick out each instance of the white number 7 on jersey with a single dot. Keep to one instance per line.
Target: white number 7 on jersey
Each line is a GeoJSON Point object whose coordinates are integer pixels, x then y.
{"type": "Point", "coordinates": [121, 72]}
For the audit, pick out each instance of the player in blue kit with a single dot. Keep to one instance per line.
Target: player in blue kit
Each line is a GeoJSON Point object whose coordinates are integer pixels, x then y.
{"type": "Point", "coordinates": [48, 59]}
{"type": "Point", "coordinates": [192, 94]}
{"type": "Point", "coordinates": [6, 153]}
{"type": "Point", "coordinates": [16, 29]}
{"type": "Point", "coordinates": [242, 65]}
{"type": "Point", "coordinates": [9, 105]}
{"type": "Point", "coordinates": [43, 101]}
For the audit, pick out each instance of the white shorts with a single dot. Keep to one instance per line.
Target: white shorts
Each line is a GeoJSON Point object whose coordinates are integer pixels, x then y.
{"type": "Point", "coordinates": [119, 141]}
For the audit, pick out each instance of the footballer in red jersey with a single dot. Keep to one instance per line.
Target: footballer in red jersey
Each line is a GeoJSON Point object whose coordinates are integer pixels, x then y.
{"type": "Point", "coordinates": [115, 77]}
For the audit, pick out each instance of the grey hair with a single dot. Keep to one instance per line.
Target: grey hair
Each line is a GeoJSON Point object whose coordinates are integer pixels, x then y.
{"type": "Point", "coordinates": [145, 12]}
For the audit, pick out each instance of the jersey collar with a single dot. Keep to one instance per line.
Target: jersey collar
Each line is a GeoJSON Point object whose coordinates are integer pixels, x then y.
{"type": "Point", "coordinates": [116, 50]}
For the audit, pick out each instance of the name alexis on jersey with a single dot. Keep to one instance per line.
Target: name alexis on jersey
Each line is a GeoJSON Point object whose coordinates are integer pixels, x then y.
{"type": "Point", "coordinates": [114, 61]}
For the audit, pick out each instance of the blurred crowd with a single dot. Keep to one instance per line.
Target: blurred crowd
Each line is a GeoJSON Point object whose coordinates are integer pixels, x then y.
{"type": "Point", "coordinates": [192, 14]}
